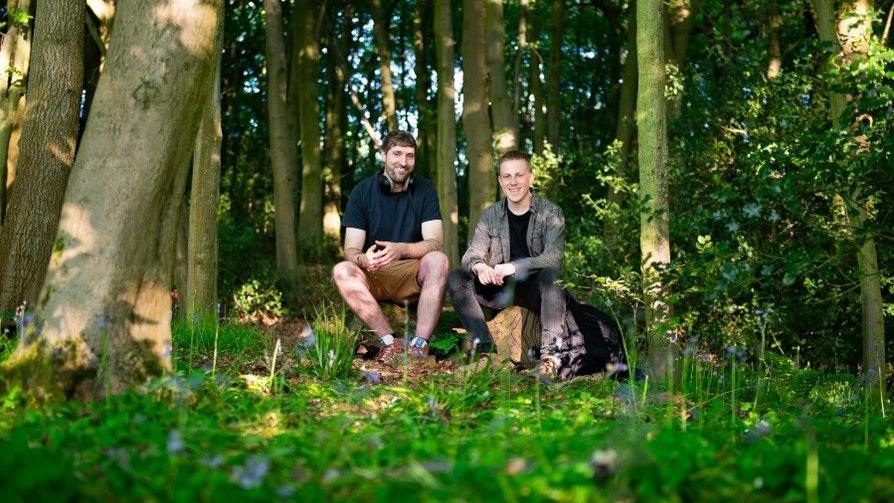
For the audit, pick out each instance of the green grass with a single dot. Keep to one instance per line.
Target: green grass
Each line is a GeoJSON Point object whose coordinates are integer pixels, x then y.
{"type": "Point", "coordinates": [490, 436]}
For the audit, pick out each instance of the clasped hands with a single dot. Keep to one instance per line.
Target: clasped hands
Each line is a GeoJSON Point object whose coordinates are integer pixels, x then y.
{"type": "Point", "coordinates": [495, 275]}
{"type": "Point", "coordinates": [382, 253]}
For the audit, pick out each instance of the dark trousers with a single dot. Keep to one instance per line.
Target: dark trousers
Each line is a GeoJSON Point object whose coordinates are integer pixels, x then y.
{"type": "Point", "coordinates": [538, 293]}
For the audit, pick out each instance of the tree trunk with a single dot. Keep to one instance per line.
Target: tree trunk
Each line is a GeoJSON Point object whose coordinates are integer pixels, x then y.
{"type": "Point", "coordinates": [678, 23]}
{"type": "Point", "coordinates": [626, 125]}
{"type": "Point", "coordinates": [654, 235]}
{"type": "Point", "coordinates": [305, 79]}
{"type": "Point", "coordinates": [15, 55]}
{"type": "Point", "coordinates": [446, 151]}
{"type": "Point", "coordinates": [427, 125]}
{"type": "Point", "coordinates": [47, 151]}
{"type": "Point", "coordinates": [537, 89]}
{"type": "Point", "coordinates": [554, 76]}
{"type": "Point", "coordinates": [381, 25]}
{"type": "Point", "coordinates": [201, 280]}
{"type": "Point", "coordinates": [854, 29]}
{"type": "Point", "coordinates": [336, 120]}
{"type": "Point", "coordinates": [505, 127]}
{"type": "Point", "coordinates": [476, 123]}
{"type": "Point", "coordinates": [282, 152]}
{"type": "Point", "coordinates": [774, 23]}
{"type": "Point", "coordinates": [107, 304]}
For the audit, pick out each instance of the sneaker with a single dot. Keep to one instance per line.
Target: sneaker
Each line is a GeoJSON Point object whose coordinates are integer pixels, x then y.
{"type": "Point", "coordinates": [418, 347]}
{"type": "Point", "coordinates": [388, 353]}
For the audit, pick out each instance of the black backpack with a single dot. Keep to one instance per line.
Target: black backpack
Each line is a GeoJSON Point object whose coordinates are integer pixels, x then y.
{"type": "Point", "coordinates": [602, 340]}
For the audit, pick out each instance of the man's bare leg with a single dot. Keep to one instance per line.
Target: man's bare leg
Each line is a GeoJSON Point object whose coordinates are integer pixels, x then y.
{"type": "Point", "coordinates": [354, 289]}
{"type": "Point", "coordinates": [432, 278]}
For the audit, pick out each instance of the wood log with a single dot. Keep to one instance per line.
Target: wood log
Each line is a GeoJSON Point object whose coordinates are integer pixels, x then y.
{"type": "Point", "coordinates": [516, 331]}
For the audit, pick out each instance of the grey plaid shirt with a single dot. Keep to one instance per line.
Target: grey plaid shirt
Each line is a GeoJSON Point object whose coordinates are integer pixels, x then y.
{"type": "Point", "coordinates": [546, 238]}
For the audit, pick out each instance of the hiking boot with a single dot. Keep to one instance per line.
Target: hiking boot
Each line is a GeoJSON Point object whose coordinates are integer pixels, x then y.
{"type": "Point", "coordinates": [388, 353]}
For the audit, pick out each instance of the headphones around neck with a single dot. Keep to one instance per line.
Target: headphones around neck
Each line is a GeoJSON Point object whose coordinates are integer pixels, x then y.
{"type": "Point", "coordinates": [387, 183]}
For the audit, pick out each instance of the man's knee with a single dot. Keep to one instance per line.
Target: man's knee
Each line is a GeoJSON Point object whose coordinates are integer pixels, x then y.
{"type": "Point", "coordinates": [343, 271]}
{"type": "Point", "coordinates": [458, 278]}
{"type": "Point", "coordinates": [435, 262]}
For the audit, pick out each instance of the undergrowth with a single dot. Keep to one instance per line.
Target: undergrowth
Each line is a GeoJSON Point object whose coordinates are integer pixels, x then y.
{"type": "Point", "coordinates": [251, 422]}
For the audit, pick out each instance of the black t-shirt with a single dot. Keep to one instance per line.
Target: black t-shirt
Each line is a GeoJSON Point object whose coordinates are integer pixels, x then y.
{"type": "Point", "coordinates": [518, 235]}
{"type": "Point", "coordinates": [387, 216]}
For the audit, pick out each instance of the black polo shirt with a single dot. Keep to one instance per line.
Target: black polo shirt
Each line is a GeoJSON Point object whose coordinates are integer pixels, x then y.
{"type": "Point", "coordinates": [387, 216]}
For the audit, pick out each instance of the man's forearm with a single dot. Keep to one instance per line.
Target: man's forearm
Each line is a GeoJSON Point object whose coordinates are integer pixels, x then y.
{"type": "Point", "coordinates": [420, 248]}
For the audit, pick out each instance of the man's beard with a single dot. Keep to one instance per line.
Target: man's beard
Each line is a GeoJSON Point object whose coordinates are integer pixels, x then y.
{"type": "Point", "coordinates": [392, 173]}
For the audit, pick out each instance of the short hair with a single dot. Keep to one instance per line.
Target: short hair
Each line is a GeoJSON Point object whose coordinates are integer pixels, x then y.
{"type": "Point", "coordinates": [398, 138]}
{"type": "Point", "coordinates": [515, 155]}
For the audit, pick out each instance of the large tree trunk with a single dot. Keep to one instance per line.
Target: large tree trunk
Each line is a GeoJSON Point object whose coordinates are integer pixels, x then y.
{"type": "Point", "coordinates": [381, 26]}
{"type": "Point", "coordinates": [654, 234]}
{"type": "Point", "coordinates": [446, 151]}
{"type": "Point", "coordinates": [201, 279]}
{"type": "Point", "coordinates": [505, 127]}
{"type": "Point", "coordinates": [15, 55]}
{"type": "Point", "coordinates": [336, 121]}
{"type": "Point", "coordinates": [427, 126]}
{"type": "Point", "coordinates": [854, 30]}
{"type": "Point", "coordinates": [305, 78]}
{"type": "Point", "coordinates": [107, 304]}
{"type": "Point", "coordinates": [282, 152]}
{"type": "Point", "coordinates": [554, 76]}
{"type": "Point", "coordinates": [476, 123]}
{"type": "Point", "coordinates": [47, 152]}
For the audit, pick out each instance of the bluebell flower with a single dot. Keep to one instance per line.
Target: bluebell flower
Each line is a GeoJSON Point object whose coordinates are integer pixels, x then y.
{"type": "Point", "coordinates": [175, 442]}
{"type": "Point", "coordinates": [252, 473]}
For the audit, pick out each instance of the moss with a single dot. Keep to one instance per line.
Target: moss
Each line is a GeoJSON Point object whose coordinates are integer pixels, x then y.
{"type": "Point", "coordinates": [45, 374]}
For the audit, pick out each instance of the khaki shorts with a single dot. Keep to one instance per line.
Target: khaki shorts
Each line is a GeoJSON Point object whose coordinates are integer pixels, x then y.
{"type": "Point", "coordinates": [396, 282]}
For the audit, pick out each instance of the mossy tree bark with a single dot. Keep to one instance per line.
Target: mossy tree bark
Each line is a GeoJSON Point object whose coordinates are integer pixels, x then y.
{"type": "Point", "coordinates": [476, 122]}
{"type": "Point", "coordinates": [282, 152]}
{"type": "Point", "coordinates": [850, 34]}
{"type": "Point", "coordinates": [505, 125]}
{"type": "Point", "coordinates": [305, 75]}
{"type": "Point", "coordinates": [106, 305]}
{"type": "Point", "coordinates": [46, 153]}
{"type": "Point", "coordinates": [201, 279]}
{"type": "Point", "coordinates": [446, 150]}
{"type": "Point", "coordinates": [654, 234]}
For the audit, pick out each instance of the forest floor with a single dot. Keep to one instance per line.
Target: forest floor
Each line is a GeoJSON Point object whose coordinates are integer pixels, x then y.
{"type": "Point", "coordinates": [222, 429]}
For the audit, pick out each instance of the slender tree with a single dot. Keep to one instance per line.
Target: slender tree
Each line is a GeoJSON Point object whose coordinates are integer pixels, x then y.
{"type": "Point", "coordinates": [336, 121]}
{"type": "Point", "coordinates": [654, 233]}
{"type": "Point", "coordinates": [427, 127]}
{"type": "Point", "coordinates": [476, 123]}
{"type": "Point", "coordinates": [505, 127]}
{"type": "Point", "coordinates": [381, 26]}
{"type": "Point", "coordinates": [46, 151]}
{"type": "Point", "coordinates": [304, 79]}
{"type": "Point", "coordinates": [106, 305]}
{"type": "Point", "coordinates": [15, 56]}
{"type": "Point", "coordinates": [774, 23]}
{"type": "Point", "coordinates": [282, 151]}
{"type": "Point", "coordinates": [201, 280]}
{"type": "Point", "coordinates": [446, 151]}
{"type": "Point", "coordinates": [854, 30]}
{"type": "Point", "coordinates": [554, 75]}
{"type": "Point", "coordinates": [536, 86]}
